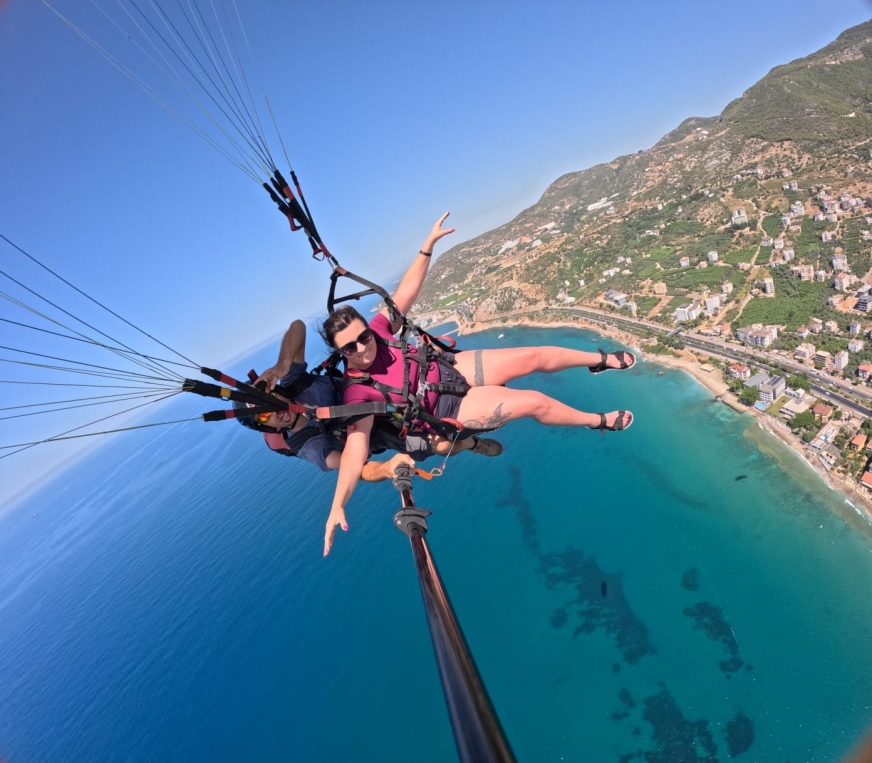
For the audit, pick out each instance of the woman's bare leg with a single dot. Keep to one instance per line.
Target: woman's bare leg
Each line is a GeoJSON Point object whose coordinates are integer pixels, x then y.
{"type": "Point", "coordinates": [497, 367]}
{"type": "Point", "coordinates": [488, 407]}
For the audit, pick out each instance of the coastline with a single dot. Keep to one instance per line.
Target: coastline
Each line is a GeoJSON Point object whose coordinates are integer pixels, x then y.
{"type": "Point", "coordinates": [712, 380]}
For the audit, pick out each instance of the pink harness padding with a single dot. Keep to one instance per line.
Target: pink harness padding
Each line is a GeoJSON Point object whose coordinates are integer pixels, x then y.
{"type": "Point", "coordinates": [388, 368]}
{"type": "Point", "coordinates": [275, 440]}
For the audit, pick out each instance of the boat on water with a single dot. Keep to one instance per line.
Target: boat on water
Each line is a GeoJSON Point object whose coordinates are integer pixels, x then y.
{"type": "Point", "coordinates": [500, 336]}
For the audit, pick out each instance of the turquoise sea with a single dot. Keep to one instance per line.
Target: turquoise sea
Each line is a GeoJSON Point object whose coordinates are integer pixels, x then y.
{"type": "Point", "coordinates": [688, 590]}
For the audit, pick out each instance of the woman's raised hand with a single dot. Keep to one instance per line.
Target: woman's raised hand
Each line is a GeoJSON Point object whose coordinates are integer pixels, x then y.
{"type": "Point", "coordinates": [437, 232]}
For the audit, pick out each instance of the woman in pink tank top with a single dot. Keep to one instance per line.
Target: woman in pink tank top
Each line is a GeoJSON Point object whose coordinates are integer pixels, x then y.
{"type": "Point", "coordinates": [487, 405]}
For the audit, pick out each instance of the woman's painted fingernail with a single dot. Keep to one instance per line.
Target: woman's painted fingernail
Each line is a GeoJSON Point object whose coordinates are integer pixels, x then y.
{"type": "Point", "coordinates": [345, 527]}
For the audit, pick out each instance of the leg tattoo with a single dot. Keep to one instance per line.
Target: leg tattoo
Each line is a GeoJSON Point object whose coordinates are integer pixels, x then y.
{"type": "Point", "coordinates": [494, 421]}
{"type": "Point", "coordinates": [479, 369]}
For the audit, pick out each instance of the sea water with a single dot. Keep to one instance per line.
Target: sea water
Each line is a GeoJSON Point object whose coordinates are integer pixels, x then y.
{"type": "Point", "coordinates": [688, 590]}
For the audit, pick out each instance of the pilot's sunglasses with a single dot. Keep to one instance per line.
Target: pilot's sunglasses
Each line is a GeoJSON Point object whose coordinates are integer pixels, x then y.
{"type": "Point", "coordinates": [283, 416]}
{"type": "Point", "coordinates": [350, 350]}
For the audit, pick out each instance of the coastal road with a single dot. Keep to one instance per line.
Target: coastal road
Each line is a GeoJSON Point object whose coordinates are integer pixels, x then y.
{"type": "Point", "coordinates": [858, 400]}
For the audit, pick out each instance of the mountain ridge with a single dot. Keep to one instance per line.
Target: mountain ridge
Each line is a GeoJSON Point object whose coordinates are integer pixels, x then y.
{"type": "Point", "coordinates": [809, 119]}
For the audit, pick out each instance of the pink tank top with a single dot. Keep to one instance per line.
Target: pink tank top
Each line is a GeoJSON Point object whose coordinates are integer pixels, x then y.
{"type": "Point", "coordinates": [387, 368]}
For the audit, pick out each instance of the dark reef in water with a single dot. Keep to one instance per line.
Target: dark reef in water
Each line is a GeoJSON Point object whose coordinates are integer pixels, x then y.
{"type": "Point", "coordinates": [513, 499]}
{"type": "Point", "coordinates": [675, 739]}
{"type": "Point", "coordinates": [665, 484]}
{"type": "Point", "coordinates": [710, 620]}
{"type": "Point", "coordinates": [739, 734]}
{"type": "Point", "coordinates": [572, 568]}
{"type": "Point", "coordinates": [559, 618]}
{"type": "Point", "coordinates": [628, 702]}
{"type": "Point", "coordinates": [598, 602]}
{"type": "Point", "coordinates": [690, 580]}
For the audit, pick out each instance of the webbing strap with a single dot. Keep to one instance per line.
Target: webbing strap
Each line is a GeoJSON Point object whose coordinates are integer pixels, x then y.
{"type": "Point", "coordinates": [371, 288]}
{"type": "Point", "coordinates": [358, 410]}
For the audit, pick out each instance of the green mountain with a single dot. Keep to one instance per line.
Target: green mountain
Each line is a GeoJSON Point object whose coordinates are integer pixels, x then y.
{"type": "Point", "coordinates": [626, 226]}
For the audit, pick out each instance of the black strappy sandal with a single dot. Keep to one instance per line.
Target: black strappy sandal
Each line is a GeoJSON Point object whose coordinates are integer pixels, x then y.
{"type": "Point", "coordinates": [621, 355]}
{"type": "Point", "coordinates": [618, 426]}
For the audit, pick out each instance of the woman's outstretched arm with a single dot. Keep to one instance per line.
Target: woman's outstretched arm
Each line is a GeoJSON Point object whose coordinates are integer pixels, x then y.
{"type": "Point", "coordinates": [410, 285]}
{"type": "Point", "coordinates": [353, 458]}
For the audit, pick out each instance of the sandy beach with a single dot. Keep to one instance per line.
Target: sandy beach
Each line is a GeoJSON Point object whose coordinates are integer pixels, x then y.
{"type": "Point", "coordinates": [708, 377]}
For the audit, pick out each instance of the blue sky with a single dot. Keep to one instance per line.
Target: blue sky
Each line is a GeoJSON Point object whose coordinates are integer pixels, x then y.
{"type": "Point", "coordinates": [392, 112]}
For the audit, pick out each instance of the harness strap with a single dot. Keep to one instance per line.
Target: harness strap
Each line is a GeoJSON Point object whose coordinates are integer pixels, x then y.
{"type": "Point", "coordinates": [357, 410]}
{"type": "Point", "coordinates": [362, 377]}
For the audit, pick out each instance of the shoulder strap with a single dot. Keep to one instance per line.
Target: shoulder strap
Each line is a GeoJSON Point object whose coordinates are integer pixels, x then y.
{"type": "Point", "coordinates": [277, 443]}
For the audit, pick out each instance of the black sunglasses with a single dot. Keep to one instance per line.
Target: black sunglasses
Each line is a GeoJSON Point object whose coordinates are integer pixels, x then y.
{"type": "Point", "coordinates": [349, 350]}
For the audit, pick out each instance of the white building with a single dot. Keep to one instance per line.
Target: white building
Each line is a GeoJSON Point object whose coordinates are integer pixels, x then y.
{"type": "Point", "coordinates": [840, 359]}
{"type": "Point", "coordinates": [617, 298]}
{"type": "Point", "coordinates": [844, 281]}
{"type": "Point", "coordinates": [712, 256]}
{"type": "Point", "coordinates": [805, 351]}
{"type": "Point", "coordinates": [771, 390]}
{"type": "Point", "coordinates": [739, 217]}
{"type": "Point", "coordinates": [803, 272]}
{"type": "Point", "coordinates": [762, 337]}
{"type": "Point", "coordinates": [712, 304]}
{"type": "Point", "coordinates": [689, 312]}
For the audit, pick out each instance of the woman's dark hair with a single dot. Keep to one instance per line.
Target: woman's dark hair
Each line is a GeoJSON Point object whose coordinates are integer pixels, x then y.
{"type": "Point", "coordinates": [338, 320]}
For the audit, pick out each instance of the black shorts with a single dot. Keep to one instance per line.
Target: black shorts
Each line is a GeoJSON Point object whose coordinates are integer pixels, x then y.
{"type": "Point", "coordinates": [385, 436]}
{"type": "Point", "coordinates": [448, 405]}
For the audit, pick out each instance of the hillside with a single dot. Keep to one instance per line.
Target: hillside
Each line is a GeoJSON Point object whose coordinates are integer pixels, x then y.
{"type": "Point", "coordinates": [800, 138]}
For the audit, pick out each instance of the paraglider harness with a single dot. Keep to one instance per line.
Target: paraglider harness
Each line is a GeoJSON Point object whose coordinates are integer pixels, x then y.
{"type": "Point", "coordinates": [427, 349]}
{"type": "Point", "coordinates": [406, 416]}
